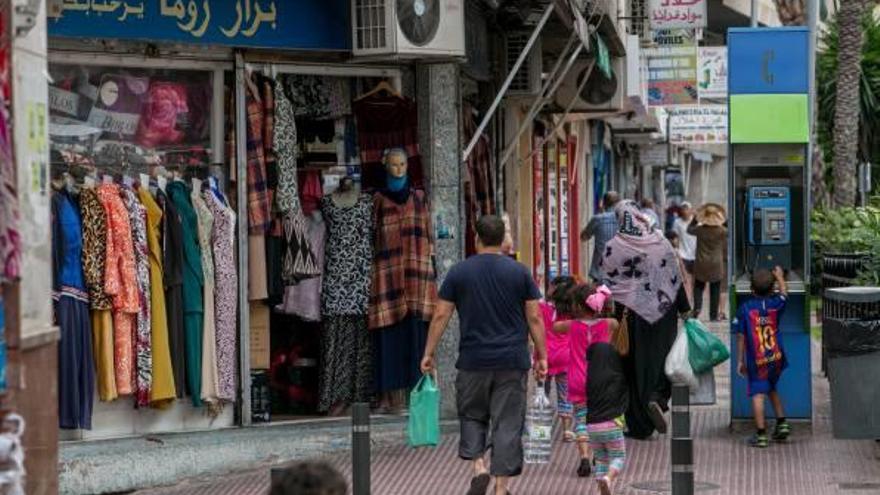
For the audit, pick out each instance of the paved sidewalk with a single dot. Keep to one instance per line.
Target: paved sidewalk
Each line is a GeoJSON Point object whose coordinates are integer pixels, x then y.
{"type": "Point", "coordinates": [810, 463]}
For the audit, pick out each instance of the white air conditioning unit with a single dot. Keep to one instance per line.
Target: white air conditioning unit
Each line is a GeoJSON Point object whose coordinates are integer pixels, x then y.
{"type": "Point", "coordinates": [527, 81]}
{"type": "Point", "coordinates": [410, 29]}
{"type": "Point", "coordinates": [600, 95]}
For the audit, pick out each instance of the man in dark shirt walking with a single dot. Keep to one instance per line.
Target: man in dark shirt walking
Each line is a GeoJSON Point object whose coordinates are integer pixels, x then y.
{"type": "Point", "coordinates": [497, 303]}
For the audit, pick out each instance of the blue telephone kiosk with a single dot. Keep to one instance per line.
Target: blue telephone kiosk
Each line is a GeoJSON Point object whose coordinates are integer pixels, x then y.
{"type": "Point", "coordinates": [769, 226]}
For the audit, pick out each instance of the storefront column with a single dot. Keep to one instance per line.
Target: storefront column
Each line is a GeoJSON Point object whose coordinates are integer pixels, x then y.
{"type": "Point", "coordinates": [437, 90]}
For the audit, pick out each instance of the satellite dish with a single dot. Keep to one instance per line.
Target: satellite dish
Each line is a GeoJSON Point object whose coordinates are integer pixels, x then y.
{"type": "Point", "coordinates": [418, 20]}
{"type": "Point", "coordinates": [599, 89]}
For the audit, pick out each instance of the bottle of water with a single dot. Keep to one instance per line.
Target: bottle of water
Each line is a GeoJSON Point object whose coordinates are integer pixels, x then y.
{"type": "Point", "coordinates": [539, 429]}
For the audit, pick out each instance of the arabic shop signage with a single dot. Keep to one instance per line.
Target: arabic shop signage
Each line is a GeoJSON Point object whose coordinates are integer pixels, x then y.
{"type": "Point", "coordinates": [673, 14]}
{"type": "Point", "coordinates": [705, 124]}
{"type": "Point", "coordinates": [281, 24]}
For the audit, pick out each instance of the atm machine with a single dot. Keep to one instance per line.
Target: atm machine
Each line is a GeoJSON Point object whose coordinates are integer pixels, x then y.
{"type": "Point", "coordinates": [769, 195]}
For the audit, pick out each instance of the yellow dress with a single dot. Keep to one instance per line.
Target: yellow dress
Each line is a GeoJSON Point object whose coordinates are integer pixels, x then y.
{"type": "Point", "coordinates": [163, 390]}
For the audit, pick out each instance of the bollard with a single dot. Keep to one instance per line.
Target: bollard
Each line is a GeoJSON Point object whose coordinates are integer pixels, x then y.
{"type": "Point", "coordinates": [682, 443]}
{"type": "Point", "coordinates": [360, 448]}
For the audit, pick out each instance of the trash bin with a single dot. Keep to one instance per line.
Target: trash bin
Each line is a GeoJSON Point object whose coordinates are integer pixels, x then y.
{"type": "Point", "coordinates": [851, 345]}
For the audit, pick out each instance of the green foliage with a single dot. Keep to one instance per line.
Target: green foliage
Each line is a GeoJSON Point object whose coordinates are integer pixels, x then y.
{"type": "Point", "coordinates": [826, 87]}
{"type": "Point", "coordinates": [849, 231]}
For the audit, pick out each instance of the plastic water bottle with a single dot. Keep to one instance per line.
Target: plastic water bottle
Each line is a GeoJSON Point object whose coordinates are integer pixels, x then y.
{"type": "Point", "coordinates": [539, 429]}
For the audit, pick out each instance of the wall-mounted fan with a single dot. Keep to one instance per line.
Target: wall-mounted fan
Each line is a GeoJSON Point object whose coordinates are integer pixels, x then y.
{"type": "Point", "coordinates": [418, 20]}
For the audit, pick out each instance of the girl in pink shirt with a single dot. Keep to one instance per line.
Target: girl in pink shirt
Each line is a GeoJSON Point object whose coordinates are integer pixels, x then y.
{"type": "Point", "coordinates": [555, 309]}
{"type": "Point", "coordinates": [586, 327]}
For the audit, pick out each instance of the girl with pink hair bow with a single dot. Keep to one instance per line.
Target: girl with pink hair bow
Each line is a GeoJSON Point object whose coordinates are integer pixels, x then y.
{"type": "Point", "coordinates": [586, 327]}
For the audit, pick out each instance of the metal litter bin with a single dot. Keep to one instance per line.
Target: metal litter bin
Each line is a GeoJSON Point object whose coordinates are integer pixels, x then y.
{"type": "Point", "coordinates": [851, 345]}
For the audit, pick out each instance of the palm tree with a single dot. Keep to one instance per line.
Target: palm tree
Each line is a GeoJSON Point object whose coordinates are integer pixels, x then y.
{"type": "Point", "coordinates": [846, 108]}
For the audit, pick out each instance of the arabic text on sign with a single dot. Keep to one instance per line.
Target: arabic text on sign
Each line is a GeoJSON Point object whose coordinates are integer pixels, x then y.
{"type": "Point", "coordinates": [195, 19]}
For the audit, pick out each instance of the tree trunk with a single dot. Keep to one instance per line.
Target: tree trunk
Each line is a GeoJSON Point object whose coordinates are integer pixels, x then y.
{"type": "Point", "coordinates": [791, 12]}
{"type": "Point", "coordinates": [846, 110]}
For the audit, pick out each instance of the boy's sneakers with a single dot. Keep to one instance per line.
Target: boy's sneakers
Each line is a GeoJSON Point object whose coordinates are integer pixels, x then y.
{"type": "Point", "coordinates": [759, 440]}
{"type": "Point", "coordinates": [782, 431]}
{"type": "Point", "coordinates": [584, 469]}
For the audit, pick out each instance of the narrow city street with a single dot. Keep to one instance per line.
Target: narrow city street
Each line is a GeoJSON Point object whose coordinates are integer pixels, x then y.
{"type": "Point", "coordinates": [811, 462]}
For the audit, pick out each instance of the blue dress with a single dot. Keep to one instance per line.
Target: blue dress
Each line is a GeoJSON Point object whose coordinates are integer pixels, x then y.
{"type": "Point", "coordinates": [76, 374]}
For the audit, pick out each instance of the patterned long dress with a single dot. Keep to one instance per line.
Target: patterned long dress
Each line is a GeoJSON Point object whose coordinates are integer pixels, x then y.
{"type": "Point", "coordinates": [209, 338]}
{"type": "Point", "coordinates": [346, 357]}
{"type": "Point", "coordinates": [143, 337]}
{"type": "Point", "coordinates": [225, 295]}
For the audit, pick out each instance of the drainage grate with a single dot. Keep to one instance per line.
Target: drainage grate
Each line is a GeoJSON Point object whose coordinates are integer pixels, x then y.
{"type": "Point", "coordinates": [666, 486]}
{"type": "Point", "coordinates": [859, 486]}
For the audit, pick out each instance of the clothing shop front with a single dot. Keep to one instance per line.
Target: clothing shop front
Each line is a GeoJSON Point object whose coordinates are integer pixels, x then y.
{"type": "Point", "coordinates": [231, 197]}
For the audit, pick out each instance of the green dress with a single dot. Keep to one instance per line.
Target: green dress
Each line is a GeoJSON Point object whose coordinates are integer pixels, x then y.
{"type": "Point", "coordinates": [193, 280]}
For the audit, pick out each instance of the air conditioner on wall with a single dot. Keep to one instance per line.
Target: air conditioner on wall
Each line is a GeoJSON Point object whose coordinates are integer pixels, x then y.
{"type": "Point", "coordinates": [527, 81]}
{"type": "Point", "coordinates": [600, 94]}
{"type": "Point", "coordinates": [411, 29]}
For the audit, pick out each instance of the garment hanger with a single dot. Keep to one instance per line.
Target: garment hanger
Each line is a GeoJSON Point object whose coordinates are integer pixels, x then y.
{"type": "Point", "coordinates": [382, 86]}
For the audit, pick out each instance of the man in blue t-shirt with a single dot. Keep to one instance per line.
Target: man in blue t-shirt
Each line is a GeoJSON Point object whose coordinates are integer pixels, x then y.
{"type": "Point", "coordinates": [497, 304]}
{"type": "Point", "coordinates": [760, 351]}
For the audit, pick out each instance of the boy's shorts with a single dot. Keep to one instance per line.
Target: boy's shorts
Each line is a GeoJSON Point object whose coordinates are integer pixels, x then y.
{"type": "Point", "coordinates": [758, 386]}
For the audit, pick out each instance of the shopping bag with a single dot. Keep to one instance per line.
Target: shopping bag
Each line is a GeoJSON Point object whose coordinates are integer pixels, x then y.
{"type": "Point", "coordinates": [705, 351]}
{"type": "Point", "coordinates": [704, 394]}
{"type": "Point", "coordinates": [424, 413]}
{"type": "Point", "coordinates": [539, 428]}
{"type": "Point", "coordinates": [678, 367]}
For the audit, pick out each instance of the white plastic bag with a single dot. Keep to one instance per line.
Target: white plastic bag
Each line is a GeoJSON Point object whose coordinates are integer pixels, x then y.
{"type": "Point", "coordinates": [678, 367]}
{"type": "Point", "coordinates": [539, 429]}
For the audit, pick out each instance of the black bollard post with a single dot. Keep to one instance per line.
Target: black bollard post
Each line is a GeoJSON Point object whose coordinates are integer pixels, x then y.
{"type": "Point", "coordinates": [360, 448]}
{"type": "Point", "coordinates": [682, 443]}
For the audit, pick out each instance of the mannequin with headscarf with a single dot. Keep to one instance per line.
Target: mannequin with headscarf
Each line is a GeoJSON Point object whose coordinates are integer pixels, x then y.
{"type": "Point", "coordinates": [404, 288]}
{"type": "Point", "coordinates": [643, 272]}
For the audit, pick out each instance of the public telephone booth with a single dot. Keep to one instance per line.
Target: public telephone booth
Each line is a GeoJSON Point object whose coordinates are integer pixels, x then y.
{"type": "Point", "coordinates": [769, 194]}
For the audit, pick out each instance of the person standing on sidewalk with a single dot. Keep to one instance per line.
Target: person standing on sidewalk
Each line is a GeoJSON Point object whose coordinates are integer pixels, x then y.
{"type": "Point", "coordinates": [644, 275]}
{"type": "Point", "coordinates": [709, 227]}
{"type": "Point", "coordinates": [602, 228]}
{"type": "Point", "coordinates": [498, 307]}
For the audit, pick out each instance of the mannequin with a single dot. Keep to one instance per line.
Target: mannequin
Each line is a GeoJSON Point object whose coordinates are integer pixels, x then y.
{"type": "Point", "coordinates": [404, 287]}
{"type": "Point", "coordinates": [347, 194]}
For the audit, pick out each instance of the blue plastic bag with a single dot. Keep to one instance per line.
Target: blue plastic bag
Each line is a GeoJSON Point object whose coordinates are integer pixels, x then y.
{"type": "Point", "coordinates": [424, 414]}
{"type": "Point", "coordinates": [705, 351]}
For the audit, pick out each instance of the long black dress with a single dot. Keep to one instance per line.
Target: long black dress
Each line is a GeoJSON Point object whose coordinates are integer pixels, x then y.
{"type": "Point", "coordinates": [644, 366]}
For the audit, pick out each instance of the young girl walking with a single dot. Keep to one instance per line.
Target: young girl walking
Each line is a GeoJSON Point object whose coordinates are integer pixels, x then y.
{"type": "Point", "coordinates": [554, 309]}
{"type": "Point", "coordinates": [586, 327]}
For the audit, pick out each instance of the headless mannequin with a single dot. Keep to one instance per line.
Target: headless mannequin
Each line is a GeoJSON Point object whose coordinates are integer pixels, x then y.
{"type": "Point", "coordinates": [347, 194]}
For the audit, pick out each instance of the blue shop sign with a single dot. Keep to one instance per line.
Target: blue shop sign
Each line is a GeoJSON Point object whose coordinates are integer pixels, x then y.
{"type": "Point", "coordinates": [278, 24]}
{"type": "Point", "coordinates": [768, 60]}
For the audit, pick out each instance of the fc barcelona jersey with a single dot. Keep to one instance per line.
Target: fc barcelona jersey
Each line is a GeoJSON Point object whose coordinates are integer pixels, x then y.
{"type": "Point", "coordinates": [758, 320]}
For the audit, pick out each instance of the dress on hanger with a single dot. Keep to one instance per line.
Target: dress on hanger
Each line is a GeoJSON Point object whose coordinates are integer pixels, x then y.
{"type": "Point", "coordinates": [143, 335]}
{"type": "Point", "coordinates": [120, 281]}
{"type": "Point", "coordinates": [76, 377]}
{"type": "Point", "coordinates": [94, 260]}
{"type": "Point", "coordinates": [210, 380]}
{"type": "Point", "coordinates": [193, 282]}
{"type": "Point", "coordinates": [172, 252]}
{"type": "Point", "coordinates": [163, 389]}
{"type": "Point", "coordinates": [225, 296]}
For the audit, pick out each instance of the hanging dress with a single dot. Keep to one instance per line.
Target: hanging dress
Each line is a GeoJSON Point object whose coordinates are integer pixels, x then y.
{"type": "Point", "coordinates": [94, 260]}
{"type": "Point", "coordinates": [346, 357]}
{"type": "Point", "coordinates": [162, 379]}
{"type": "Point", "coordinates": [76, 377]}
{"type": "Point", "coordinates": [143, 336]}
{"type": "Point", "coordinates": [404, 288]}
{"type": "Point", "coordinates": [172, 252]}
{"type": "Point", "coordinates": [210, 380]}
{"type": "Point", "coordinates": [120, 281]}
{"type": "Point", "coordinates": [225, 296]}
{"type": "Point", "coordinates": [193, 282]}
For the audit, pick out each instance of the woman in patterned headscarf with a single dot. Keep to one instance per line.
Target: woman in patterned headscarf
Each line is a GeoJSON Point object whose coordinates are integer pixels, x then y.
{"type": "Point", "coordinates": [642, 270]}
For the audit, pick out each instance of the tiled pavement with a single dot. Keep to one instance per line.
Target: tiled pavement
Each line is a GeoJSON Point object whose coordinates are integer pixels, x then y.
{"type": "Point", "coordinates": [812, 462]}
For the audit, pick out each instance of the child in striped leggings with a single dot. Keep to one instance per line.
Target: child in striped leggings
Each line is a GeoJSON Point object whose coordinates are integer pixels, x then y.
{"type": "Point", "coordinates": [606, 404]}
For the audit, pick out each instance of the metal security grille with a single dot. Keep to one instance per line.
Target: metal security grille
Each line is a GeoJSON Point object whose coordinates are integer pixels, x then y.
{"type": "Point", "coordinates": [638, 20]}
{"type": "Point", "coordinates": [370, 30]}
{"type": "Point", "coordinates": [516, 43]}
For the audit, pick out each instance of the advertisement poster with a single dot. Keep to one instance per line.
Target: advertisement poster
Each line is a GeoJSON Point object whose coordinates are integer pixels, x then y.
{"type": "Point", "coordinates": [673, 14]}
{"type": "Point", "coordinates": [712, 72]}
{"type": "Point", "coordinates": [672, 70]}
{"type": "Point", "coordinates": [704, 124]}
{"type": "Point", "coordinates": [538, 210]}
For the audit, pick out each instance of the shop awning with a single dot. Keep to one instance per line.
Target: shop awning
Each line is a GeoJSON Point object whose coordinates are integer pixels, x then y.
{"type": "Point", "coordinates": [701, 156]}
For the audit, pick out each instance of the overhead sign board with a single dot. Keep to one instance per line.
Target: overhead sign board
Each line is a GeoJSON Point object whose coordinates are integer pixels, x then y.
{"type": "Point", "coordinates": [769, 61]}
{"type": "Point", "coordinates": [704, 124]}
{"type": "Point", "coordinates": [672, 72]}
{"type": "Point", "coordinates": [283, 24]}
{"type": "Point", "coordinates": [672, 14]}
{"type": "Point", "coordinates": [712, 72]}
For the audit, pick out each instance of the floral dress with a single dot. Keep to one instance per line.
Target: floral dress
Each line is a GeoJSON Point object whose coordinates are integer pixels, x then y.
{"type": "Point", "coordinates": [225, 295]}
{"type": "Point", "coordinates": [143, 345]}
